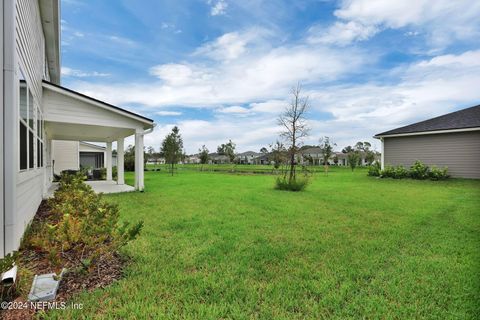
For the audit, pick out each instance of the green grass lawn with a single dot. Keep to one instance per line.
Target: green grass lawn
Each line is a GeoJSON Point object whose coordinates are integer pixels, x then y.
{"type": "Point", "coordinates": [221, 245]}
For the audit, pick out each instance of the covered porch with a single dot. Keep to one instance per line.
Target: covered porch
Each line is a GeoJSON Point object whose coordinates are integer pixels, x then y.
{"type": "Point", "coordinates": [72, 116]}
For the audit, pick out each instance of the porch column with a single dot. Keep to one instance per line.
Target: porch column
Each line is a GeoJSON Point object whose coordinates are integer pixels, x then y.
{"type": "Point", "coordinates": [109, 161]}
{"type": "Point", "coordinates": [139, 160]}
{"type": "Point", "coordinates": [120, 162]}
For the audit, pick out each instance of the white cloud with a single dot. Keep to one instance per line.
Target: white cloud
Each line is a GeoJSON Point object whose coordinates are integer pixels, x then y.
{"type": "Point", "coordinates": [342, 33]}
{"type": "Point", "coordinates": [270, 106]}
{"type": "Point", "coordinates": [233, 45]}
{"type": "Point", "coordinates": [442, 20]}
{"type": "Point", "coordinates": [234, 110]}
{"type": "Point", "coordinates": [168, 113]}
{"type": "Point", "coordinates": [122, 41]}
{"type": "Point", "coordinates": [259, 74]}
{"type": "Point", "coordinates": [69, 72]}
{"type": "Point", "coordinates": [218, 7]}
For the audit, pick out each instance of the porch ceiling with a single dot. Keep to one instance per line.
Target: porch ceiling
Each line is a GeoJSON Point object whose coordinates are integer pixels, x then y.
{"type": "Point", "coordinates": [77, 132]}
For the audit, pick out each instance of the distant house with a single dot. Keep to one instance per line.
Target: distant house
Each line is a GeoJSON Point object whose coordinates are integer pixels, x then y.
{"type": "Point", "coordinates": [313, 156]}
{"type": "Point", "coordinates": [247, 157]}
{"type": "Point", "coordinates": [451, 140]}
{"type": "Point", "coordinates": [156, 161]}
{"type": "Point", "coordinates": [215, 158]}
{"type": "Point", "coordinates": [192, 159]}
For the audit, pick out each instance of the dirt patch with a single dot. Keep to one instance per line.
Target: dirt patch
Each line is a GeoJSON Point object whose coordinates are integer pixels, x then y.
{"type": "Point", "coordinates": [103, 272]}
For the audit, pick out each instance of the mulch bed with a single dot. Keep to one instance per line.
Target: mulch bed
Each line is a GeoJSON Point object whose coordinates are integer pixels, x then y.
{"type": "Point", "coordinates": [102, 273]}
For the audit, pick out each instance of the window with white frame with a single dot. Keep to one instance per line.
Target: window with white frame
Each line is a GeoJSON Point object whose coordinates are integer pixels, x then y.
{"type": "Point", "coordinates": [31, 132]}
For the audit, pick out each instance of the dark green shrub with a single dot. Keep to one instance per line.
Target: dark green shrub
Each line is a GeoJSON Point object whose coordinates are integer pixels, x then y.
{"type": "Point", "coordinates": [400, 173]}
{"type": "Point", "coordinates": [299, 184]}
{"type": "Point", "coordinates": [437, 173]}
{"type": "Point", "coordinates": [374, 169]}
{"type": "Point", "coordinates": [419, 171]}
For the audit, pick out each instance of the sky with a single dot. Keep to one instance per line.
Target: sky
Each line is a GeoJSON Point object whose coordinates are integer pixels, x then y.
{"type": "Point", "coordinates": [224, 69]}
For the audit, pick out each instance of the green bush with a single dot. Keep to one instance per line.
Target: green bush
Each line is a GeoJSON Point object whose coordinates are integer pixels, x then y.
{"type": "Point", "coordinates": [81, 220]}
{"type": "Point", "coordinates": [419, 171]}
{"type": "Point", "coordinates": [388, 172]}
{"type": "Point", "coordinates": [400, 173]}
{"type": "Point", "coordinates": [299, 184]}
{"type": "Point", "coordinates": [374, 169]}
{"type": "Point", "coordinates": [437, 173]}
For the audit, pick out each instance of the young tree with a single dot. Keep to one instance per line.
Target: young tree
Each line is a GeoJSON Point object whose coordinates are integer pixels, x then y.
{"type": "Point", "coordinates": [294, 125]}
{"type": "Point", "coordinates": [327, 150]}
{"type": "Point", "coordinates": [354, 159]}
{"type": "Point", "coordinates": [227, 149]}
{"type": "Point", "coordinates": [203, 154]}
{"type": "Point", "coordinates": [172, 147]}
{"type": "Point", "coordinates": [278, 152]}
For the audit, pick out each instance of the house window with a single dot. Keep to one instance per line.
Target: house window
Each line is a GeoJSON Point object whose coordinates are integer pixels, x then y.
{"type": "Point", "coordinates": [40, 138]}
{"type": "Point", "coordinates": [30, 128]}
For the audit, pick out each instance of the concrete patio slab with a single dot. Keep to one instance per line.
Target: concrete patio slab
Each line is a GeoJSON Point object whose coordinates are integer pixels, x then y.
{"type": "Point", "coordinates": [98, 187]}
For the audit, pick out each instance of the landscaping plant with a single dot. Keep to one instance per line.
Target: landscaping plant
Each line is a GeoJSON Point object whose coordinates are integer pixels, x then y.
{"type": "Point", "coordinates": [81, 221]}
{"type": "Point", "coordinates": [419, 171]}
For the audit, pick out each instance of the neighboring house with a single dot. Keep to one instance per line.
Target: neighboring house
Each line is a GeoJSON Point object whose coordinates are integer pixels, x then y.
{"type": "Point", "coordinates": [37, 110]}
{"type": "Point", "coordinates": [247, 157]}
{"type": "Point", "coordinates": [313, 156]}
{"type": "Point", "coordinates": [73, 155]}
{"type": "Point", "coordinates": [451, 140]}
{"type": "Point", "coordinates": [192, 159]}
{"type": "Point", "coordinates": [215, 158]}
{"type": "Point", "coordinates": [156, 161]}
{"type": "Point", "coordinates": [263, 159]}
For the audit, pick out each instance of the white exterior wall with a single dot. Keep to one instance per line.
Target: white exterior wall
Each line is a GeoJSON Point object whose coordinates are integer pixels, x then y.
{"type": "Point", "coordinates": [23, 190]}
{"type": "Point", "coordinates": [65, 155]}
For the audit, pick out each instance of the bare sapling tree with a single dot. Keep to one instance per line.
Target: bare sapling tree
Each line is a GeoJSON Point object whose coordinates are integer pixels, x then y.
{"type": "Point", "coordinates": [294, 127]}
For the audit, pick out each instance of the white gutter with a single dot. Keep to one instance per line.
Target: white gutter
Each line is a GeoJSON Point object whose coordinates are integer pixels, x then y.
{"type": "Point", "coordinates": [426, 132]}
{"type": "Point", "coordinates": [150, 130]}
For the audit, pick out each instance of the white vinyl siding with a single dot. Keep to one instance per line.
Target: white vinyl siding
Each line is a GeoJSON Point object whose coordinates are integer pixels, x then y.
{"type": "Point", "coordinates": [27, 187]}
{"type": "Point", "coordinates": [66, 155]}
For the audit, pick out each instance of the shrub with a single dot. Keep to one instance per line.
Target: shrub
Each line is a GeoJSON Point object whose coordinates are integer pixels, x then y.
{"type": "Point", "coordinates": [388, 172]}
{"type": "Point", "coordinates": [400, 172]}
{"type": "Point", "coordinates": [81, 220]}
{"type": "Point", "coordinates": [374, 169]}
{"type": "Point", "coordinates": [419, 171]}
{"type": "Point", "coordinates": [437, 173]}
{"type": "Point", "coordinates": [282, 183]}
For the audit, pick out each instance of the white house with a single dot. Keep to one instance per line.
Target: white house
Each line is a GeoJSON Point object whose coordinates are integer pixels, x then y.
{"type": "Point", "coordinates": [247, 157]}
{"type": "Point", "coordinates": [73, 155]}
{"type": "Point", "coordinates": [37, 110]}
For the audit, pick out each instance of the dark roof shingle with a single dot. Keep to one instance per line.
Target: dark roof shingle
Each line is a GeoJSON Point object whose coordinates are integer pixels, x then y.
{"type": "Point", "coordinates": [462, 119]}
